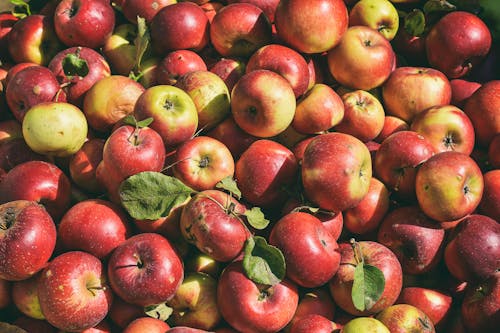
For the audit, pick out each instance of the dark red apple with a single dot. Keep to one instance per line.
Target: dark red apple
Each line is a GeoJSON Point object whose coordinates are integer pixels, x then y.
{"type": "Point", "coordinates": [83, 165]}
{"type": "Point", "coordinates": [146, 324]}
{"type": "Point", "coordinates": [122, 313]}
{"type": "Point", "coordinates": [143, 8]}
{"type": "Point", "coordinates": [177, 63]}
{"type": "Point", "coordinates": [490, 201]}
{"type": "Point", "coordinates": [461, 90]}
{"type": "Point", "coordinates": [230, 70]}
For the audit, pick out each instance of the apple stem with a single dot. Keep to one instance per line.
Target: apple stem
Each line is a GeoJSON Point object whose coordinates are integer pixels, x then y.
{"type": "Point", "coordinates": [93, 289]}
{"type": "Point", "coordinates": [358, 254]}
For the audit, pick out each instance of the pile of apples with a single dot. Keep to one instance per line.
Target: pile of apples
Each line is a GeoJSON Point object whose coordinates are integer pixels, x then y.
{"type": "Point", "coordinates": [297, 166]}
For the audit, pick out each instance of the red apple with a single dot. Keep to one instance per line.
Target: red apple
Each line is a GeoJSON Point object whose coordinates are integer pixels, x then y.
{"type": "Point", "coordinates": [313, 323]}
{"type": "Point", "coordinates": [230, 70]}
{"type": "Point", "coordinates": [449, 186]}
{"type": "Point", "coordinates": [311, 26]}
{"type": "Point", "coordinates": [490, 201]}
{"type": "Point", "coordinates": [143, 8]}
{"type": "Point", "coordinates": [122, 313]}
{"type": "Point", "coordinates": [316, 301]}
{"type": "Point", "coordinates": [25, 296]}
{"type": "Point", "coordinates": [391, 125]}
{"type": "Point", "coordinates": [34, 325]}
{"type": "Point", "coordinates": [15, 152]}
{"type": "Point", "coordinates": [83, 164]}
{"type": "Point", "coordinates": [145, 270]}
{"type": "Point", "coordinates": [16, 68]}
{"type": "Point", "coordinates": [147, 324]}
{"type": "Point", "coordinates": [83, 278]}
{"type": "Point", "coordinates": [177, 63]}
{"type": "Point", "coordinates": [402, 318]}
{"type": "Point", "coordinates": [494, 152]}
{"type": "Point", "coordinates": [84, 23]}
{"type": "Point", "coordinates": [7, 21]}
{"type": "Point", "coordinates": [267, 6]}
{"type": "Point", "coordinates": [461, 90]}
{"type": "Point", "coordinates": [363, 59]}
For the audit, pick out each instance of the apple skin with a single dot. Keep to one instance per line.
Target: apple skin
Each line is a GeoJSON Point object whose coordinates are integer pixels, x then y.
{"type": "Point", "coordinates": [482, 109]}
{"type": "Point", "coordinates": [78, 83]}
{"type": "Point", "coordinates": [122, 313]}
{"type": "Point", "coordinates": [84, 23]}
{"type": "Point", "coordinates": [449, 186]}
{"type": "Point", "coordinates": [109, 100]}
{"type": "Point", "coordinates": [55, 128]}
{"type": "Point", "coordinates": [316, 301]}
{"type": "Point", "coordinates": [145, 9]}
{"type": "Point", "coordinates": [38, 181]}
{"type": "Point", "coordinates": [446, 127]}
{"type": "Point", "coordinates": [33, 39]}
{"type": "Point", "coordinates": [392, 124]}
{"type": "Point", "coordinates": [26, 225]}
{"type": "Point", "coordinates": [95, 226]}
{"type": "Point", "coordinates": [284, 61]}
{"type": "Point", "coordinates": [119, 49]}
{"type": "Point", "coordinates": [25, 296]}
{"type": "Point", "coordinates": [489, 204]}
{"type": "Point", "coordinates": [34, 325]}
{"type": "Point", "coordinates": [473, 252]}
{"type": "Point", "coordinates": [434, 303]}
{"type": "Point", "coordinates": [319, 109]}
{"type": "Point", "coordinates": [380, 15]}
{"type": "Point", "coordinates": [263, 103]}
{"type": "Point", "coordinates": [145, 270]}
{"type": "Point", "coordinates": [267, 6]}
{"type": "Point", "coordinates": [311, 26]}
{"type": "Point", "coordinates": [410, 90]}
{"type": "Point", "coordinates": [461, 90]}
{"type": "Point", "coordinates": [402, 318]}
{"type": "Point", "coordinates": [313, 323]}
{"type": "Point", "coordinates": [266, 189]}
{"type": "Point", "coordinates": [230, 70]}
{"type": "Point", "coordinates": [480, 307]}
{"type": "Point", "coordinates": [246, 307]}
{"type": "Point", "coordinates": [83, 164]}
{"type": "Point", "coordinates": [416, 240]}
{"type": "Point", "coordinates": [7, 21]}
{"type": "Point", "coordinates": [147, 324]}
{"type": "Point", "coordinates": [494, 152]}
{"type": "Point", "coordinates": [239, 29]}
{"type": "Point", "coordinates": [209, 222]}
{"type": "Point", "coordinates": [397, 159]}
{"type": "Point", "coordinates": [374, 254]}
{"type": "Point", "coordinates": [363, 59]}
{"type": "Point", "coordinates": [363, 115]}
{"type": "Point", "coordinates": [364, 325]}
{"type": "Point", "coordinates": [310, 251]}
{"type": "Point", "coordinates": [10, 129]}
{"type": "Point", "coordinates": [15, 152]}
{"type": "Point", "coordinates": [336, 171]}
{"type": "Point", "coordinates": [177, 63]}
{"type": "Point", "coordinates": [182, 25]}
{"type": "Point", "coordinates": [84, 279]}
{"type": "Point", "coordinates": [457, 43]}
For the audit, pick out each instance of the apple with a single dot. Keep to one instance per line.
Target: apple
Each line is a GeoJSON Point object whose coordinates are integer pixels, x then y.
{"type": "Point", "coordinates": [401, 318]}
{"type": "Point", "coordinates": [367, 215]}
{"type": "Point", "coordinates": [313, 323]}
{"type": "Point", "coordinates": [33, 39]}
{"type": "Point", "coordinates": [109, 100]}
{"type": "Point", "coordinates": [31, 86]}
{"type": "Point", "coordinates": [202, 162]}
{"type": "Point", "coordinates": [230, 70]}
{"type": "Point", "coordinates": [143, 8]}
{"type": "Point", "coordinates": [55, 128]}
{"type": "Point", "coordinates": [481, 107]}
{"type": "Point", "coordinates": [363, 59]}
{"type": "Point", "coordinates": [493, 152]}
{"type": "Point", "coordinates": [446, 127]}
{"type": "Point", "coordinates": [120, 49]}
{"type": "Point", "coordinates": [122, 313]}
{"type": "Point", "coordinates": [77, 69]}
{"type": "Point", "coordinates": [95, 226]}
{"type": "Point", "coordinates": [83, 164]}
{"type": "Point", "coordinates": [380, 15]}
{"type": "Point", "coordinates": [457, 43]}
{"type": "Point", "coordinates": [364, 115]}
{"type": "Point", "coordinates": [311, 26]}
{"type": "Point", "coordinates": [319, 109]}
{"type": "Point", "coordinates": [211, 8]}
{"type": "Point", "coordinates": [25, 296]}
{"type": "Point", "coordinates": [145, 270]}
{"type": "Point", "coordinates": [210, 95]}
{"type": "Point", "coordinates": [434, 303]}
{"type": "Point", "coordinates": [267, 6]}
{"type": "Point", "coordinates": [410, 90]}
{"type": "Point", "coordinates": [461, 90]}
{"type": "Point", "coordinates": [182, 25]}
{"type": "Point", "coordinates": [32, 325]}
{"type": "Point", "coordinates": [315, 302]}
{"type": "Point", "coordinates": [397, 159]}
{"type": "Point", "coordinates": [266, 189]}
{"type": "Point", "coordinates": [374, 254]}
{"type": "Point", "coordinates": [239, 29]}
{"type": "Point", "coordinates": [7, 21]}
{"type": "Point", "coordinates": [84, 23]}
{"type": "Point", "coordinates": [336, 171]}
{"type": "Point", "coordinates": [284, 61]}
{"type": "Point", "coordinates": [195, 303]}
{"type": "Point", "coordinates": [392, 124]}
{"type": "Point", "coordinates": [10, 129]}
{"type": "Point", "coordinates": [449, 186]}
{"type": "Point", "coordinates": [147, 324]}
{"type": "Point", "coordinates": [364, 325]}
{"type": "Point", "coordinates": [185, 329]}
{"type": "Point", "coordinates": [177, 63]}
{"type": "Point", "coordinates": [248, 307]}
{"type": "Point", "coordinates": [489, 204]}
{"type": "Point", "coordinates": [15, 152]}
{"type": "Point", "coordinates": [14, 69]}
{"type": "Point", "coordinates": [38, 181]}
{"type": "Point", "coordinates": [83, 278]}
{"type": "Point", "coordinates": [263, 103]}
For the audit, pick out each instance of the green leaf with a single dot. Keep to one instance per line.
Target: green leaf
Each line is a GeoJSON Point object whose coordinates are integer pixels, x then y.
{"type": "Point", "coordinates": [141, 41]}
{"type": "Point", "coordinates": [150, 195]}
{"type": "Point", "coordinates": [132, 121]}
{"type": "Point", "coordinates": [368, 286]}
{"type": "Point", "coordinates": [432, 6]}
{"type": "Point", "coordinates": [21, 8]}
{"type": "Point", "coordinates": [229, 184]}
{"type": "Point", "coordinates": [263, 263]}
{"type": "Point", "coordinates": [159, 311]}
{"type": "Point", "coordinates": [414, 22]}
{"type": "Point", "coordinates": [145, 122]}
{"type": "Point", "coordinates": [73, 65]}
{"type": "Point", "coordinates": [256, 218]}
{"type": "Point", "coordinates": [309, 209]}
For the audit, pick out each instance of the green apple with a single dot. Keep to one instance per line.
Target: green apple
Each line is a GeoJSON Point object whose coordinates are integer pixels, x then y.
{"type": "Point", "coordinates": [120, 50]}
{"type": "Point", "coordinates": [380, 15]}
{"type": "Point", "coordinates": [364, 325]}
{"type": "Point", "coordinates": [55, 128]}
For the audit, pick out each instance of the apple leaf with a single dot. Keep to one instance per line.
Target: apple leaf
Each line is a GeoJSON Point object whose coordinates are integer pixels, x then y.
{"type": "Point", "coordinates": [414, 22]}
{"type": "Point", "coordinates": [142, 41]}
{"type": "Point", "coordinates": [256, 218]}
{"type": "Point", "coordinates": [21, 8]}
{"type": "Point", "coordinates": [132, 121]}
{"type": "Point", "coordinates": [159, 311]}
{"type": "Point", "coordinates": [150, 195]}
{"type": "Point", "coordinates": [229, 184]}
{"type": "Point", "coordinates": [73, 65]}
{"type": "Point", "coordinates": [263, 263]}
{"type": "Point", "coordinates": [438, 6]}
{"type": "Point", "coordinates": [368, 286]}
